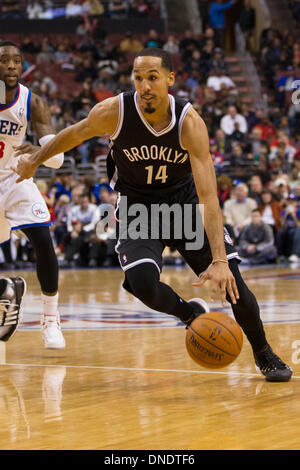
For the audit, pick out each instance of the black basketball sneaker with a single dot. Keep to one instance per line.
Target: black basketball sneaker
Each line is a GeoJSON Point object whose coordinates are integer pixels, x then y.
{"type": "Point", "coordinates": [11, 306]}
{"type": "Point", "coordinates": [200, 307]}
{"type": "Point", "coordinates": [271, 366]}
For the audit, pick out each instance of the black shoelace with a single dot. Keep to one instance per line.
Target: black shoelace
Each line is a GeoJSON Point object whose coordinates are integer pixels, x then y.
{"type": "Point", "coordinates": [268, 360]}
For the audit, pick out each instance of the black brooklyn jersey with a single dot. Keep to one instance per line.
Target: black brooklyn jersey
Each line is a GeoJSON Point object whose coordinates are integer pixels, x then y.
{"type": "Point", "coordinates": [145, 163]}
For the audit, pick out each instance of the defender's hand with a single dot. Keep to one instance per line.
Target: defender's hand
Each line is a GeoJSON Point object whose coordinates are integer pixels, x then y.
{"type": "Point", "coordinates": [221, 278]}
{"type": "Point", "coordinates": [25, 148]}
{"type": "Point", "coordinates": [24, 167]}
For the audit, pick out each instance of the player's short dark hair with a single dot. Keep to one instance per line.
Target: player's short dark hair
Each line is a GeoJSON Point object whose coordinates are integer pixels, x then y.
{"type": "Point", "coordinates": [166, 60]}
{"type": "Point", "coordinates": [9, 43]}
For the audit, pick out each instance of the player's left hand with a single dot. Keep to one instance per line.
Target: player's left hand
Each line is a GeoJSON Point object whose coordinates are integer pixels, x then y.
{"type": "Point", "coordinates": [24, 167]}
{"type": "Point", "coordinates": [221, 278]}
{"type": "Point", "coordinates": [25, 148]}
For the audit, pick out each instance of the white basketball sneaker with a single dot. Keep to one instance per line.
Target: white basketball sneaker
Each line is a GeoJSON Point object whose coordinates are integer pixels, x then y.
{"type": "Point", "coordinates": [52, 333]}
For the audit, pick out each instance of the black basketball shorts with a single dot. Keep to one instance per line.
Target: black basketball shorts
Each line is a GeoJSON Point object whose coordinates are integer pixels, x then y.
{"type": "Point", "coordinates": [133, 252]}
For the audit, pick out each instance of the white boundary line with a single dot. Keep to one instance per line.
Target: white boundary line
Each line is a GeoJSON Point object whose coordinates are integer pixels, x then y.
{"type": "Point", "coordinates": [137, 369]}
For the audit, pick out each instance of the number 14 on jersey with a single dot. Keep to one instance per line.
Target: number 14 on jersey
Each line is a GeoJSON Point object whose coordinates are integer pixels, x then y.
{"type": "Point", "coordinates": [160, 175]}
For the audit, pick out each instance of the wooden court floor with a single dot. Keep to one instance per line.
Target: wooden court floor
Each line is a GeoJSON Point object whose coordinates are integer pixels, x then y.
{"type": "Point", "coordinates": [125, 380]}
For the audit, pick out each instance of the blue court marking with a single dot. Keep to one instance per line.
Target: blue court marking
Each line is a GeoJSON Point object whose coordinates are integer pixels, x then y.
{"type": "Point", "coordinates": [105, 316]}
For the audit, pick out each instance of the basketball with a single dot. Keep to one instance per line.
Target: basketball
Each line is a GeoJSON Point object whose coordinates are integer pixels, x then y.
{"type": "Point", "coordinates": [214, 340]}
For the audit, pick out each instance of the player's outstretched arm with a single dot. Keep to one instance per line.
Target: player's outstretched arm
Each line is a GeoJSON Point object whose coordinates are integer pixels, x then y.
{"type": "Point", "coordinates": [195, 139]}
{"type": "Point", "coordinates": [102, 119]}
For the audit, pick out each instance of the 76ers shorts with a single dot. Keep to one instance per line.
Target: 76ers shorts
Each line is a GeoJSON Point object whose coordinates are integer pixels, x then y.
{"type": "Point", "coordinates": [21, 206]}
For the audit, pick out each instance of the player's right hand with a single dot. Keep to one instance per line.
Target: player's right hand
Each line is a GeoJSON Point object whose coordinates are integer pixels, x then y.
{"type": "Point", "coordinates": [221, 279]}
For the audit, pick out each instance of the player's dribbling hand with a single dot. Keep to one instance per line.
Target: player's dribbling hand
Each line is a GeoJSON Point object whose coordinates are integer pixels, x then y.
{"type": "Point", "coordinates": [221, 278]}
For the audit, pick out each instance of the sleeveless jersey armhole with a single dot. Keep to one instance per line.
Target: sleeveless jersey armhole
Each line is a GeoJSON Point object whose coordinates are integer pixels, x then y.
{"type": "Point", "coordinates": [120, 119]}
{"type": "Point", "coordinates": [28, 108]}
{"type": "Point", "coordinates": [183, 114]}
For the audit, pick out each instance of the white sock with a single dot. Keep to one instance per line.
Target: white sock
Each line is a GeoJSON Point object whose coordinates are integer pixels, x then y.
{"type": "Point", "coordinates": [50, 308]}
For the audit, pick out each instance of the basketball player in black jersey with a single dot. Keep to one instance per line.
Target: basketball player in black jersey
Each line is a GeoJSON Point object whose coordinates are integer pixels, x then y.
{"type": "Point", "coordinates": [160, 153]}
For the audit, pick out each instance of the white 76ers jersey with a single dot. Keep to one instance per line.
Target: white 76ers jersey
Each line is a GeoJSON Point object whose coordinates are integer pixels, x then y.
{"type": "Point", "coordinates": [21, 205]}
{"type": "Point", "coordinates": [13, 123]}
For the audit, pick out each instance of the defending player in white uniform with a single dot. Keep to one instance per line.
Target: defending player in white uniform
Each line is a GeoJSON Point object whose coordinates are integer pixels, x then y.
{"type": "Point", "coordinates": [22, 207]}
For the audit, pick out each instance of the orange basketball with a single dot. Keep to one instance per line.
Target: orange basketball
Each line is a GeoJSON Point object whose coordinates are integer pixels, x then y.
{"type": "Point", "coordinates": [214, 340]}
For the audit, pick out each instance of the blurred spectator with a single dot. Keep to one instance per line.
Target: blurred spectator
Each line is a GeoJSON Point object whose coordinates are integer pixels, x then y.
{"type": "Point", "coordinates": [286, 84]}
{"type": "Point", "coordinates": [34, 9]}
{"type": "Point", "coordinates": [124, 83]}
{"type": "Point", "coordinates": [256, 242]}
{"type": "Point", "coordinates": [86, 69]}
{"type": "Point", "coordinates": [93, 7]}
{"type": "Point", "coordinates": [188, 45]}
{"type": "Point", "coordinates": [82, 28]}
{"type": "Point", "coordinates": [281, 189]}
{"type": "Point", "coordinates": [210, 34]}
{"type": "Point", "coordinates": [230, 119]}
{"type": "Point", "coordinates": [171, 45]}
{"type": "Point", "coordinates": [61, 213]}
{"type": "Point", "coordinates": [237, 211]}
{"type": "Point", "coordinates": [117, 9]}
{"type": "Point", "coordinates": [256, 189]}
{"type": "Point", "coordinates": [48, 194]}
{"type": "Point", "coordinates": [224, 145]}
{"type": "Point", "coordinates": [74, 8]}
{"type": "Point", "coordinates": [82, 221]}
{"type": "Point", "coordinates": [153, 40]}
{"type": "Point", "coordinates": [104, 243]}
{"type": "Point", "coordinates": [294, 178]}
{"type": "Point", "coordinates": [224, 187]}
{"type": "Point", "coordinates": [218, 61]}
{"type": "Point", "coordinates": [61, 55]}
{"type": "Point", "coordinates": [27, 45]}
{"type": "Point", "coordinates": [238, 157]}
{"type": "Point", "coordinates": [207, 51]}
{"type": "Point", "coordinates": [85, 97]}
{"type": "Point", "coordinates": [102, 92]}
{"type": "Point", "coordinates": [217, 79]}
{"type": "Point", "coordinates": [268, 129]}
{"type": "Point", "coordinates": [85, 212]}
{"type": "Point", "coordinates": [247, 21]}
{"type": "Point", "coordinates": [217, 156]}
{"type": "Point", "coordinates": [197, 63]}
{"type": "Point", "coordinates": [217, 17]}
{"type": "Point", "coordinates": [249, 115]}
{"type": "Point", "coordinates": [290, 221]}
{"type": "Point", "coordinates": [139, 8]}
{"type": "Point", "coordinates": [270, 210]}
{"type": "Point", "coordinates": [46, 55]}
{"type": "Point", "coordinates": [129, 44]}
{"type": "Point", "coordinates": [63, 185]}
{"type": "Point", "coordinates": [285, 154]}
{"type": "Point", "coordinates": [96, 191]}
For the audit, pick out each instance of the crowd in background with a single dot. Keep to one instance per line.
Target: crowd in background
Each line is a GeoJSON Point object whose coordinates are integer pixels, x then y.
{"type": "Point", "coordinates": [256, 151]}
{"type": "Point", "coordinates": [49, 9]}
